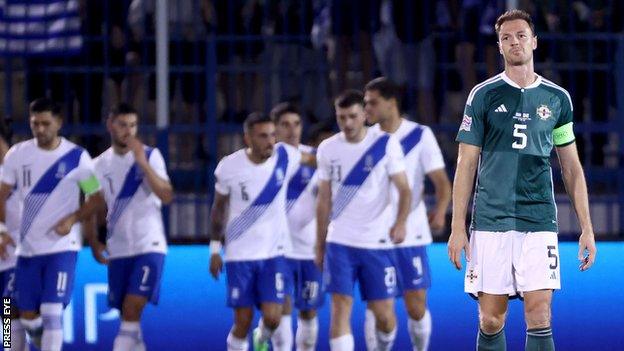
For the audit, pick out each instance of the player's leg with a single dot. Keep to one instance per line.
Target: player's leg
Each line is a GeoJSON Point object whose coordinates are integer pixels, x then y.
{"type": "Point", "coordinates": [237, 338]}
{"type": "Point", "coordinates": [340, 267]}
{"type": "Point", "coordinates": [58, 278]}
{"type": "Point", "coordinates": [142, 275]}
{"type": "Point", "coordinates": [282, 338]}
{"type": "Point", "coordinates": [419, 318]}
{"type": "Point", "coordinates": [538, 274]}
{"type": "Point", "coordinates": [241, 277]}
{"type": "Point", "coordinates": [341, 337]}
{"type": "Point", "coordinates": [414, 278]}
{"type": "Point", "coordinates": [378, 283]}
{"type": "Point", "coordinates": [310, 296]}
{"type": "Point", "coordinates": [537, 315]}
{"type": "Point", "coordinates": [270, 288]}
{"type": "Point", "coordinates": [28, 289]}
{"type": "Point", "coordinates": [492, 313]}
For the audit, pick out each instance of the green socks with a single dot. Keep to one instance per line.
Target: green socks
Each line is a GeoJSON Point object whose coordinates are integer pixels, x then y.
{"type": "Point", "coordinates": [492, 342]}
{"type": "Point", "coordinates": [540, 339]}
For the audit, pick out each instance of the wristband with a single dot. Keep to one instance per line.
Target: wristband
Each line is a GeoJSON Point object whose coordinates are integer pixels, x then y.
{"type": "Point", "coordinates": [215, 247]}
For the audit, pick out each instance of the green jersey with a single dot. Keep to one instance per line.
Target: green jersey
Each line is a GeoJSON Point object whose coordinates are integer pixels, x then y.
{"type": "Point", "coordinates": [516, 129]}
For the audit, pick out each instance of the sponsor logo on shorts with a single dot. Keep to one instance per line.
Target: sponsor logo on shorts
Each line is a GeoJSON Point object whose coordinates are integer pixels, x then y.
{"type": "Point", "coordinates": [235, 293]}
{"type": "Point", "coordinates": [144, 288]}
{"type": "Point", "coordinates": [553, 276]}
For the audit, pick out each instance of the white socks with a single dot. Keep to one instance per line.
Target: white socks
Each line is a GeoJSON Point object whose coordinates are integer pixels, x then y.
{"type": "Point", "coordinates": [236, 344]}
{"type": "Point", "coordinates": [282, 338]}
{"type": "Point", "coordinates": [52, 319]}
{"type": "Point", "coordinates": [129, 337]}
{"type": "Point", "coordinates": [265, 333]}
{"type": "Point", "coordinates": [369, 331]}
{"type": "Point", "coordinates": [420, 331]}
{"type": "Point", "coordinates": [341, 343]}
{"type": "Point", "coordinates": [307, 334]}
{"type": "Point", "coordinates": [385, 340]}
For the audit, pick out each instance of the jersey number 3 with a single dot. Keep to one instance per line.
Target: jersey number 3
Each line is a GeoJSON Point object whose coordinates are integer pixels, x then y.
{"type": "Point", "coordinates": [518, 133]}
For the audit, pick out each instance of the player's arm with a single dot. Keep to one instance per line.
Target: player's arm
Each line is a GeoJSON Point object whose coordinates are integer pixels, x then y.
{"type": "Point", "coordinates": [5, 238]}
{"type": "Point", "coordinates": [161, 187]}
{"type": "Point", "coordinates": [323, 209]}
{"type": "Point", "coordinates": [442, 186]}
{"type": "Point", "coordinates": [398, 230]}
{"type": "Point", "coordinates": [467, 162]}
{"type": "Point", "coordinates": [576, 187]}
{"type": "Point", "coordinates": [94, 202]}
{"type": "Point", "coordinates": [218, 220]}
{"type": "Point", "coordinates": [90, 230]}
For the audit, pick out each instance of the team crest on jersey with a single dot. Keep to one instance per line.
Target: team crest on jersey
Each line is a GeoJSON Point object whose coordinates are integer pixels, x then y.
{"type": "Point", "coordinates": [368, 163]}
{"type": "Point", "coordinates": [466, 123]}
{"type": "Point", "coordinates": [279, 175]}
{"type": "Point", "coordinates": [544, 112]}
{"type": "Point", "coordinates": [61, 170]}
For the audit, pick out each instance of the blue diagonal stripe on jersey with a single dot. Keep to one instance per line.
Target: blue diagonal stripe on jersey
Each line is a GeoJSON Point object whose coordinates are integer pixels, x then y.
{"type": "Point", "coordinates": [411, 139]}
{"type": "Point", "coordinates": [358, 174]}
{"type": "Point", "coordinates": [298, 184]}
{"type": "Point", "coordinates": [38, 195]}
{"type": "Point", "coordinates": [250, 215]}
{"type": "Point", "coordinates": [130, 186]}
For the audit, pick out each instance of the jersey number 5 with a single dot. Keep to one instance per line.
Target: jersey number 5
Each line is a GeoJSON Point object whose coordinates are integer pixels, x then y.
{"type": "Point", "coordinates": [552, 254]}
{"type": "Point", "coordinates": [518, 133]}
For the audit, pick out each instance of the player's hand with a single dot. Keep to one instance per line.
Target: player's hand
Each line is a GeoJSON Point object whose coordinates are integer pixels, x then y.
{"type": "Point", "coordinates": [437, 221]}
{"type": "Point", "coordinates": [64, 226]}
{"type": "Point", "coordinates": [398, 232]}
{"type": "Point", "coordinates": [458, 241]}
{"type": "Point", "coordinates": [319, 256]}
{"type": "Point", "coordinates": [136, 146]}
{"type": "Point", "coordinates": [98, 249]}
{"type": "Point", "coordinates": [216, 265]}
{"type": "Point", "coordinates": [587, 243]}
{"type": "Point", "coordinates": [6, 240]}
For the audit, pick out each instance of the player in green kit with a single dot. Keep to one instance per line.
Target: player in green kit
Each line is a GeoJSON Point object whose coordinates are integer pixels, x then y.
{"type": "Point", "coordinates": [511, 123]}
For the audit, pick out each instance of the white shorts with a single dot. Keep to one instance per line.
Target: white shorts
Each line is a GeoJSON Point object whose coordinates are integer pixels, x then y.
{"type": "Point", "coordinates": [510, 263]}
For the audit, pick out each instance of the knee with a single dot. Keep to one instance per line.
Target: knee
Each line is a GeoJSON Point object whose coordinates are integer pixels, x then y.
{"type": "Point", "coordinates": [131, 311]}
{"type": "Point", "coordinates": [242, 324]}
{"type": "Point", "coordinates": [491, 323]}
{"type": "Point", "coordinates": [271, 320]}
{"type": "Point", "coordinates": [537, 315]}
{"type": "Point", "coordinates": [416, 309]}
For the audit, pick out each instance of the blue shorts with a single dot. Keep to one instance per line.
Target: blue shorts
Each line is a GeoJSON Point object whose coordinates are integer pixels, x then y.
{"type": "Point", "coordinates": [412, 268]}
{"type": "Point", "coordinates": [44, 279]}
{"type": "Point", "coordinates": [372, 268]}
{"type": "Point", "coordinates": [304, 281]}
{"type": "Point", "coordinates": [7, 282]}
{"type": "Point", "coordinates": [136, 275]}
{"type": "Point", "coordinates": [251, 283]}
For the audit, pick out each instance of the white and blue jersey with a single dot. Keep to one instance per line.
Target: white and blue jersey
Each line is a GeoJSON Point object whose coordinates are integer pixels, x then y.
{"type": "Point", "coordinates": [301, 210]}
{"type": "Point", "coordinates": [422, 156]}
{"type": "Point", "coordinates": [134, 221]}
{"type": "Point", "coordinates": [257, 227]}
{"type": "Point", "coordinates": [48, 183]}
{"type": "Point", "coordinates": [360, 182]}
{"type": "Point", "coordinates": [12, 218]}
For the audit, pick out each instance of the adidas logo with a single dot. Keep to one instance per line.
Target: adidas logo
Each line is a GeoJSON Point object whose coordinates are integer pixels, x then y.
{"type": "Point", "coordinates": [501, 108]}
{"type": "Point", "coordinates": [553, 276]}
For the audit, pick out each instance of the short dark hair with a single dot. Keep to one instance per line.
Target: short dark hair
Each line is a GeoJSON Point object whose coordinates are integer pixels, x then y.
{"type": "Point", "coordinates": [283, 108]}
{"type": "Point", "coordinates": [349, 98]}
{"type": "Point", "coordinates": [511, 15]}
{"type": "Point", "coordinates": [45, 104]}
{"type": "Point", "coordinates": [123, 108]}
{"type": "Point", "coordinates": [318, 129]}
{"type": "Point", "coordinates": [255, 118]}
{"type": "Point", "coordinates": [386, 88]}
